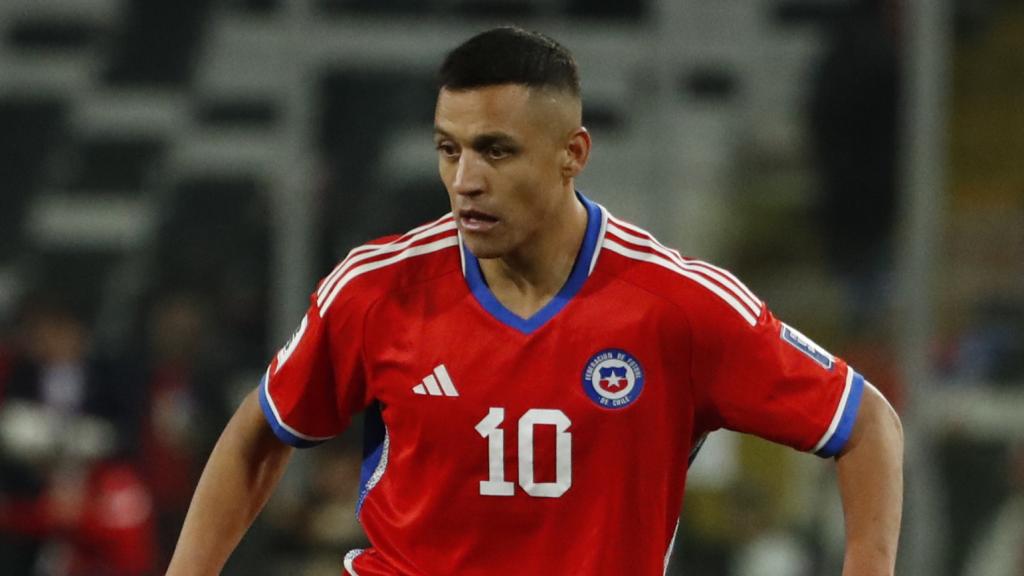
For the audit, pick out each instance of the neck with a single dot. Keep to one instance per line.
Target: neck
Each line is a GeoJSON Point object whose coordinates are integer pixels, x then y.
{"type": "Point", "coordinates": [527, 279]}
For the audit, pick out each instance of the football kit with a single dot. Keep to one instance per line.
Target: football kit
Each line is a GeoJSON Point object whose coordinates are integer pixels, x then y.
{"type": "Point", "coordinates": [556, 444]}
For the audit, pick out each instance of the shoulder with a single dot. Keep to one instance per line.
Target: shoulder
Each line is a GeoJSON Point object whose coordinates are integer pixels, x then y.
{"type": "Point", "coordinates": [391, 263]}
{"type": "Point", "coordinates": [699, 288]}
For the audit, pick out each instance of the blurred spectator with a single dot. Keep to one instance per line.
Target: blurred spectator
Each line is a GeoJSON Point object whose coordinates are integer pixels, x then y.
{"type": "Point", "coordinates": [69, 504]}
{"type": "Point", "coordinates": [53, 367]}
{"type": "Point", "coordinates": [182, 408]}
{"type": "Point", "coordinates": [854, 130]}
{"type": "Point", "coordinates": [105, 523]}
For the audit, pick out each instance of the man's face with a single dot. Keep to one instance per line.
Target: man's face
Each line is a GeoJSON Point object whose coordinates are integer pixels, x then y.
{"type": "Point", "coordinates": [502, 153]}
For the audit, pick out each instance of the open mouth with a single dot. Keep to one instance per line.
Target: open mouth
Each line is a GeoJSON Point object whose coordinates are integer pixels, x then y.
{"type": "Point", "coordinates": [475, 220]}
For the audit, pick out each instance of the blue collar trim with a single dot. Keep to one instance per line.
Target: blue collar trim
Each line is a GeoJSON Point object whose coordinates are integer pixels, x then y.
{"type": "Point", "coordinates": [580, 272]}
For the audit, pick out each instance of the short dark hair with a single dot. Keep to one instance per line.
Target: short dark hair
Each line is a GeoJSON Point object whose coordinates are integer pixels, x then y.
{"type": "Point", "coordinates": [510, 55]}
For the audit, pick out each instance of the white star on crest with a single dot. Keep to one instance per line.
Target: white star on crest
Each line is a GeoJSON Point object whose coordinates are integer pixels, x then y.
{"type": "Point", "coordinates": [614, 381]}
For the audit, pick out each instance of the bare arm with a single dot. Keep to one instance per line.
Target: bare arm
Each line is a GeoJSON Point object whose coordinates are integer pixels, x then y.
{"type": "Point", "coordinates": [870, 470]}
{"type": "Point", "coordinates": [243, 470]}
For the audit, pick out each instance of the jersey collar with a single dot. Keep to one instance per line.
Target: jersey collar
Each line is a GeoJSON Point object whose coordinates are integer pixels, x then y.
{"type": "Point", "coordinates": [586, 259]}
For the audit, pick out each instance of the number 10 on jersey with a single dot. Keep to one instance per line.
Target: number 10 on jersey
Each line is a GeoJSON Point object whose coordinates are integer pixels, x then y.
{"type": "Point", "coordinates": [496, 485]}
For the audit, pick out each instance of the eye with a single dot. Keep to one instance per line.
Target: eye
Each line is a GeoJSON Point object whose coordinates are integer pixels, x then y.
{"type": "Point", "coordinates": [447, 149]}
{"type": "Point", "coordinates": [496, 152]}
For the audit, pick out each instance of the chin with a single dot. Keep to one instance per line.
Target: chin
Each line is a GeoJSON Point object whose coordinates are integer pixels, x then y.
{"type": "Point", "coordinates": [483, 248]}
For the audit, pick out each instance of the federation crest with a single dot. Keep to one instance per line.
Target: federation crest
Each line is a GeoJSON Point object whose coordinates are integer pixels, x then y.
{"type": "Point", "coordinates": [613, 379]}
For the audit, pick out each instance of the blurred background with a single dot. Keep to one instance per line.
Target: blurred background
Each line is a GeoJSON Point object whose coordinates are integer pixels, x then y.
{"type": "Point", "coordinates": [175, 175]}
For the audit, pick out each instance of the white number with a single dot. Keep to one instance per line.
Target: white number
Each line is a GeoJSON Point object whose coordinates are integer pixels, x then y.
{"type": "Point", "coordinates": [496, 485]}
{"type": "Point", "coordinates": [563, 453]}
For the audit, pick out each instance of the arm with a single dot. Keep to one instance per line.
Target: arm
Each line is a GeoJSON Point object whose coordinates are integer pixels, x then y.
{"type": "Point", "coordinates": [870, 470]}
{"type": "Point", "coordinates": [243, 470]}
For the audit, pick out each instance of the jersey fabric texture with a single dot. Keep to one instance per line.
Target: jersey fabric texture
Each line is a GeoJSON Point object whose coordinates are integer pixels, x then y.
{"type": "Point", "coordinates": [557, 444]}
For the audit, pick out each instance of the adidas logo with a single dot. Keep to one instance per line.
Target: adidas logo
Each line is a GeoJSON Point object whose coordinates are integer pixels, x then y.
{"type": "Point", "coordinates": [437, 384]}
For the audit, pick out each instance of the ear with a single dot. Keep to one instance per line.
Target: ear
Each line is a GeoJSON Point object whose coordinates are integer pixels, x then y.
{"type": "Point", "coordinates": [577, 152]}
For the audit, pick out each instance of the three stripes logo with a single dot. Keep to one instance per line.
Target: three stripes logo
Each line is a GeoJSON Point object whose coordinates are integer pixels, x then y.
{"type": "Point", "coordinates": [437, 384]}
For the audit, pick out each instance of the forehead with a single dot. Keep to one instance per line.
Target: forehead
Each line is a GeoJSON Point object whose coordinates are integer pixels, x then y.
{"type": "Point", "coordinates": [511, 108]}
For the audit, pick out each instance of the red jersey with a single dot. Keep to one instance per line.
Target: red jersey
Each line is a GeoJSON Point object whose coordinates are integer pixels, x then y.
{"type": "Point", "coordinates": [557, 444]}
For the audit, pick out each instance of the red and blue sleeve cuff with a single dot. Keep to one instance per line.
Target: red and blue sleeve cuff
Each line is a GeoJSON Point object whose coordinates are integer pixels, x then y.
{"type": "Point", "coordinates": [841, 427]}
{"type": "Point", "coordinates": [282, 430]}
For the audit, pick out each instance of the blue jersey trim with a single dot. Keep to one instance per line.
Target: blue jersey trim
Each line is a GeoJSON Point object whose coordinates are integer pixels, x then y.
{"type": "Point", "coordinates": [842, 434]}
{"type": "Point", "coordinates": [374, 451]}
{"type": "Point", "coordinates": [278, 427]}
{"type": "Point", "coordinates": [580, 272]}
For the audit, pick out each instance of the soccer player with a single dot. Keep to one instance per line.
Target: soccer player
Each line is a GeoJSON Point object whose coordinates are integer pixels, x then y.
{"type": "Point", "coordinates": [535, 373]}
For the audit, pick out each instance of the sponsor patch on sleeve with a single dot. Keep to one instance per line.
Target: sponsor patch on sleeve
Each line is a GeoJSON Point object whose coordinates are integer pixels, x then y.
{"type": "Point", "coordinates": [807, 346]}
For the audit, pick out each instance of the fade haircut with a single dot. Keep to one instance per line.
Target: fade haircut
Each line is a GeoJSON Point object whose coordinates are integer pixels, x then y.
{"type": "Point", "coordinates": [510, 55]}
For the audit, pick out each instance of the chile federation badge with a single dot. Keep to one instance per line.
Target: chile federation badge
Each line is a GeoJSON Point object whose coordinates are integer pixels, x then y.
{"type": "Point", "coordinates": [613, 379]}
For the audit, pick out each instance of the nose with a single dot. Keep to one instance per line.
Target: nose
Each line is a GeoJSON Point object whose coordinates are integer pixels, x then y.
{"type": "Point", "coordinates": [469, 178]}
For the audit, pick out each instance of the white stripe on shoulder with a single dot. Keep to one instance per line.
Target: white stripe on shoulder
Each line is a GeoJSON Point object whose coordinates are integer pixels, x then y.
{"type": "Point", "coordinates": [419, 250]}
{"type": "Point", "coordinates": [838, 416]}
{"type": "Point", "coordinates": [449, 217]}
{"type": "Point", "coordinates": [360, 252]}
{"type": "Point", "coordinates": [652, 258]}
{"type": "Point", "coordinates": [379, 250]}
{"type": "Point", "coordinates": [374, 247]}
{"type": "Point", "coordinates": [720, 276]}
{"type": "Point", "coordinates": [600, 239]}
{"type": "Point", "coordinates": [735, 281]}
{"type": "Point", "coordinates": [277, 415]}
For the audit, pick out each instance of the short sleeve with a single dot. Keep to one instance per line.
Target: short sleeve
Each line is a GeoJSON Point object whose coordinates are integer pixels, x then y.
{"type": "Point", "coordinates": [315, 383]}
{"type": "Point", "coordinates": [770, 380]}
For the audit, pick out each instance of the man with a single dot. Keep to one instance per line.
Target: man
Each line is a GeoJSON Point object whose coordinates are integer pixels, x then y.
{"type": "Point", "coordinates": [536, 373]}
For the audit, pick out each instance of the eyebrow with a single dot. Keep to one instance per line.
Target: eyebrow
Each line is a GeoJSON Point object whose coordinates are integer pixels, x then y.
{"type": "Point", "coordinates": [482, 141]}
